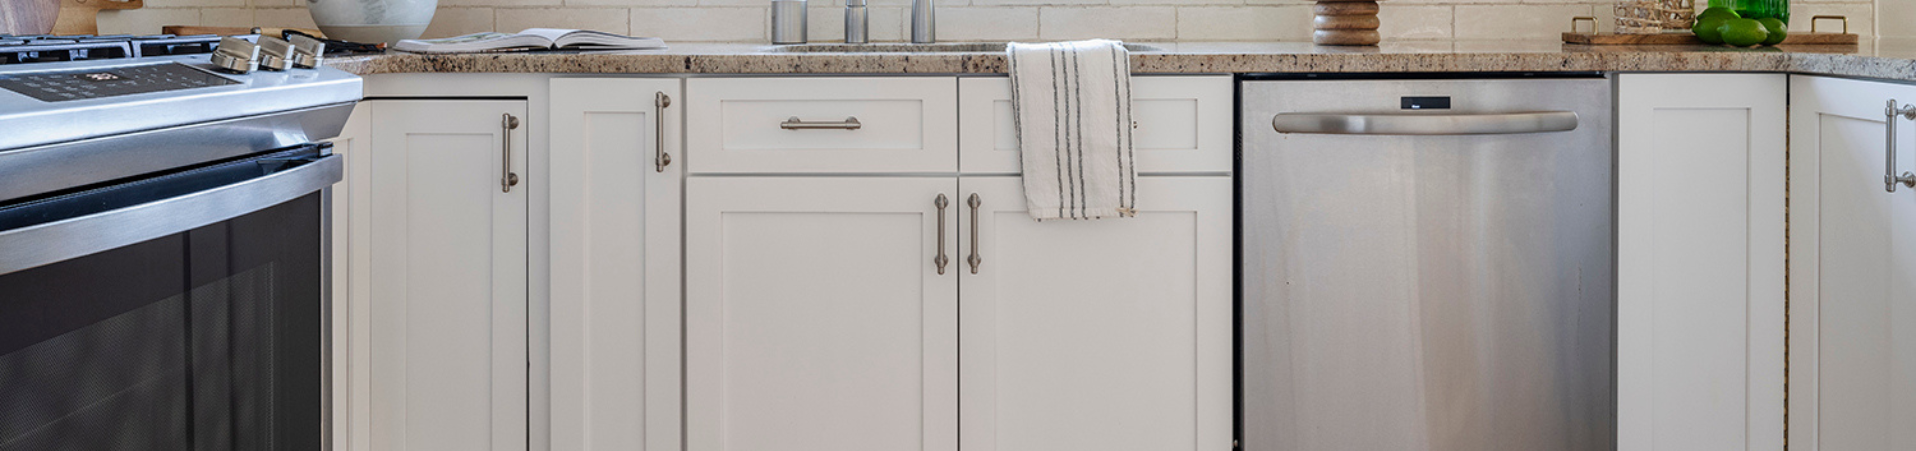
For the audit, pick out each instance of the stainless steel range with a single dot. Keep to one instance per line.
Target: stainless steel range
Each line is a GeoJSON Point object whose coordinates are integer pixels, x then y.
{"type": "Point", "coordinates": [163, 227]}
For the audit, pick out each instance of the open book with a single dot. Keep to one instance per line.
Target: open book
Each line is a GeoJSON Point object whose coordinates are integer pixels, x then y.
{"type": "Point", "coordinates": [530, 39]}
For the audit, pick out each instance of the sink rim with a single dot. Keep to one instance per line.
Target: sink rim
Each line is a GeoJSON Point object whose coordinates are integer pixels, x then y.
{"type": "Point", "coordinates": [906, 47]}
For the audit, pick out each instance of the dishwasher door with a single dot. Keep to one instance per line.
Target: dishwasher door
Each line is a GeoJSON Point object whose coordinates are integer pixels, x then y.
{"type": "Point", "coordinates": [1420, 289]}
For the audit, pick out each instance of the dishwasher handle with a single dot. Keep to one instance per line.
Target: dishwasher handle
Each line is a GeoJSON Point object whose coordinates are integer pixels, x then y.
{"type": "Point", "coordinates": [1425, 124]}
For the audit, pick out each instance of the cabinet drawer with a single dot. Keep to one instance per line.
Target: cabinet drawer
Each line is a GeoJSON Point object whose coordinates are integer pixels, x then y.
{"type": "Point", "coordinates": [1183, 124]}
{"type": "Point", "coordinates": [903, 124]}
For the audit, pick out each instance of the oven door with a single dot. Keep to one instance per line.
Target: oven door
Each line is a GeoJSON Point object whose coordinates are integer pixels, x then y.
{"type": "Point", "coordinates": [183, 311]}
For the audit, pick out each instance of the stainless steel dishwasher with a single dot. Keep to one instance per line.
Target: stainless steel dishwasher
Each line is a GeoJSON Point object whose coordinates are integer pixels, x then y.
{"type": "Point", "coordinates": [1427, 264]}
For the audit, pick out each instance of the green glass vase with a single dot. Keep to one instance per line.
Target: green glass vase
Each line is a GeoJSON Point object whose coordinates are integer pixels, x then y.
{"type": "Point", "coordinates": [1756, 9]}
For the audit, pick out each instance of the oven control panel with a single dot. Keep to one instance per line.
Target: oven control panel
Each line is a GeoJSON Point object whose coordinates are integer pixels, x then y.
{"type": "Point", "coordinates": [94, 84]}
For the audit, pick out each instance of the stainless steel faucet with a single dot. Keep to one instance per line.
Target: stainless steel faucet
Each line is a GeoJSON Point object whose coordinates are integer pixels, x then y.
{"type": "Point", "coordinates": [923, 26]}
{"type": "Point", "coordinates": [857, 21]}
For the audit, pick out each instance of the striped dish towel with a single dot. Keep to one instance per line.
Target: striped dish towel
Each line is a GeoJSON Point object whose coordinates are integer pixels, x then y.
{"type": "Point", "coordinates": [1071, 102]}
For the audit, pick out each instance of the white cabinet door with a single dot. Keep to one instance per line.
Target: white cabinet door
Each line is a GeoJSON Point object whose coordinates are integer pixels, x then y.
{"type": "Point", "coordinates": [1700, 261]}
{"type": "Point", "coordinates": [447, 277]}
{"type": "Point", "coordinates": [615, 263]}
{"type": "Point", "coordinates": [1852, 269]}
{"type": "Point", "coordinates": [1097, 335]}
{"type": "Point", "coordinates": [816, 318]}
{"type": "Point", "coordinates": [1182, 124]}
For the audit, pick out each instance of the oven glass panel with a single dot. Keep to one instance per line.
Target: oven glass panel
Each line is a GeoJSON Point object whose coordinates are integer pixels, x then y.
{"type": "Point", "coordinates": [204, 340]}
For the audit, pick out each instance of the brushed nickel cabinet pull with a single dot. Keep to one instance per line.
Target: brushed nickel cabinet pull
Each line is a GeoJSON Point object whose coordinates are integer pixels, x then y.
{"type": "Point", "coordinates": [1890, 179]}
{"type": "Point", "coordinates": [793, 123]}
{"type": "Point", "coordinates": [507, 179]}
{"type": "Point", "coordinates": [660, 102]}
{"type": "Point", "coordinates": [941, 260]}
{"type": "Point", "coordinates": [974, 259]}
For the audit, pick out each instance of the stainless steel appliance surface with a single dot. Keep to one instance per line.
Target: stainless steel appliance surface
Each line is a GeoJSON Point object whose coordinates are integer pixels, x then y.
{"type": "Point", "coordinates": [1427, 264]}
{"type": "Point", "coordinates": [164, 244]}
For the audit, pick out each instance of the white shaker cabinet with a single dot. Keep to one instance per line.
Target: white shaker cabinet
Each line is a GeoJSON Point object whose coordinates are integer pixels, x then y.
{"type": "Point", "coordinates": [1111, 335]}
{"type": "Point", "coordinates": [1180, 124]}
{"type": "Point", "coordinates": [1852, 267]}
{"type": "Point", "coordinates": [1700, 233]}
{"type": "Point", "coordinates": [817, 318]}
{"type": "Point", "coordinates": [615, 297]}
{"type": "Point", "coordinates": [446, 275]}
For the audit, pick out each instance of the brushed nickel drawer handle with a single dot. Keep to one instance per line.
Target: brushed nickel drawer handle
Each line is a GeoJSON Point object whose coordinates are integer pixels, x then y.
{"type": "Point", "coordinates": [1890, 179]}
{"type": "Point", "coordinates": [793, 123]}
{"type": "Point", "coordinates": [659, 102]}
{"type": "Point", "coordinates": [941, 260]}
{"type": "Point", "coordinates": [507, 123]}
{"type": "Point", "coordinates": [974, 260]}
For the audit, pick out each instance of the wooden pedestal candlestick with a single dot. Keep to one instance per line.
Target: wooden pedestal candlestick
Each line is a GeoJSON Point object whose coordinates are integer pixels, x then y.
{"type": "Point", "coordinates": [1346, 22]}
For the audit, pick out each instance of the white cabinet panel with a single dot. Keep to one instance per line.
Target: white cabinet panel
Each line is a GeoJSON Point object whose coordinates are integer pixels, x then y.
{"type": "Point", "coordinates": [448, 277]}
{"type": "Point", "coordinates": [615, 264]}
{"type": "Point", "coordinates": [905, 124]}
{"type": "Point", "coordinates": [816, 318]}
{"type": "Point", "coordinates": [1183, 124]}
{"type": "Point", "coordinates": [1852, 269]}
{"type": "Point", "coordinates": [1700, 258]}
{"type": "Point", "coordinates": [1106, 335]}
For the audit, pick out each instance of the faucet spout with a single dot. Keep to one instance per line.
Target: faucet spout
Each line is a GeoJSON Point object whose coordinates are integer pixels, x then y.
{"type": "Point", "coordinates": [923, 25]}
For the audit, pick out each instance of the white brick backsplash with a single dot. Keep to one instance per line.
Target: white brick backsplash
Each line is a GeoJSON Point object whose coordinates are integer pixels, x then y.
{"type": "Point", "coordinates": [193, 3]}
{"type": "Point", "coordinates": [976, 20]}
{"type": "Point", "coordinates": [987, 24]}
{"type": "Point", "coordinates": [445, 3]}
{"type": "Point", "coordinates": [610, 20]}
{"type": "Point", "coordinates": [1035, 2]}
{"type": "Point", "coordinates": [1244, 23]}
{"type": "Point", "coordinates": [636, 3]}
{"type": "Point", "coordinates": [225, 17]}
{"type": "Point", "coordinates": [145, 21]}
{"type": "Point", "coordinates": [1516, 21]}
{"type": "Point", "coordinates": [1416, 22]}
{"type": "Point", "coordinates": [447, 22]}
{"type": "Point", "coordinates": [1130, 23]}
{"type": "Point", "coordinates": [703, 24]}
{"type": "Point", "coordinates": [283, 18]}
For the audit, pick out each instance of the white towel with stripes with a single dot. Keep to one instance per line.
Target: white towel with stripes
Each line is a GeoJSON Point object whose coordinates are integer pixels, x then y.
{"type": "Point", "coordinates": [1071, 102]}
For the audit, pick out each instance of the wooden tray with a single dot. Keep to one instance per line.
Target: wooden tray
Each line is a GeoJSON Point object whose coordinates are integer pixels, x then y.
{"type": "Point", "coordinates": [1685, 38]}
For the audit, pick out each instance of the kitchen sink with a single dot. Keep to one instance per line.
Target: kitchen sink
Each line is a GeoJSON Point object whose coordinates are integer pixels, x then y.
{"type": "Point", "coordinates": [940, 47]}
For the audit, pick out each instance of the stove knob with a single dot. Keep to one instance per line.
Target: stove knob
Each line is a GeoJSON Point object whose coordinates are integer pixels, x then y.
{"type": "Point", "coordinates": [236, 55]}
{"type": "Point", "coordinates": [307, 51]}
{"type": "Point", "coordinates": [275, 53]}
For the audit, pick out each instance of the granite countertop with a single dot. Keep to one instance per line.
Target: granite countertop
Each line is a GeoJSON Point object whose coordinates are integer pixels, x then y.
{"type": "Point", "coordinates": [1893, 59]}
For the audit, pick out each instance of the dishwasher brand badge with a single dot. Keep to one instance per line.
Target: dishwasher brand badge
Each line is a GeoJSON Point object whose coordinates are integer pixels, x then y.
{"type": "Point", "coordinates": [1426, 103]}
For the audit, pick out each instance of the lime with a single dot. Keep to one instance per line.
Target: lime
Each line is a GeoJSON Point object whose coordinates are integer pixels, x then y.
{"type": "Point", "coordinates": [1707, 29]}
{"type": "Point", "coordinates": [1778, 30]}
{"type": "Point", "coordinates": [1717, 12]}
{"type": "Point", "coordinates": [1742, 32]}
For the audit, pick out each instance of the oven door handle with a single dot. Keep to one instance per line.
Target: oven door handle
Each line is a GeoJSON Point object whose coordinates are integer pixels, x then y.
{"type": "Point", "coordinates": [53, 242]}
{"type": "Point", "coordinates": [1425, 124]}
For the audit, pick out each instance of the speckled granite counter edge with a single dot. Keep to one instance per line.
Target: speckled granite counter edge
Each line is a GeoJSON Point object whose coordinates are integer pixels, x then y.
{"type": "Point", "coordinates": [1143, 63]}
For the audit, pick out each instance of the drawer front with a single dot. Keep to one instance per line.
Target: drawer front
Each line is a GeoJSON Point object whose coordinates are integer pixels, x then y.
{"type": "Point", "coordinates": [740, 125]}
{"type": "Point", "coordinates": [1183, 124]}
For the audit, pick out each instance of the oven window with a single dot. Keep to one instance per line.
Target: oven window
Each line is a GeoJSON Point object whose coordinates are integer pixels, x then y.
{"type": "Point", "coordinates": [204, 340]}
